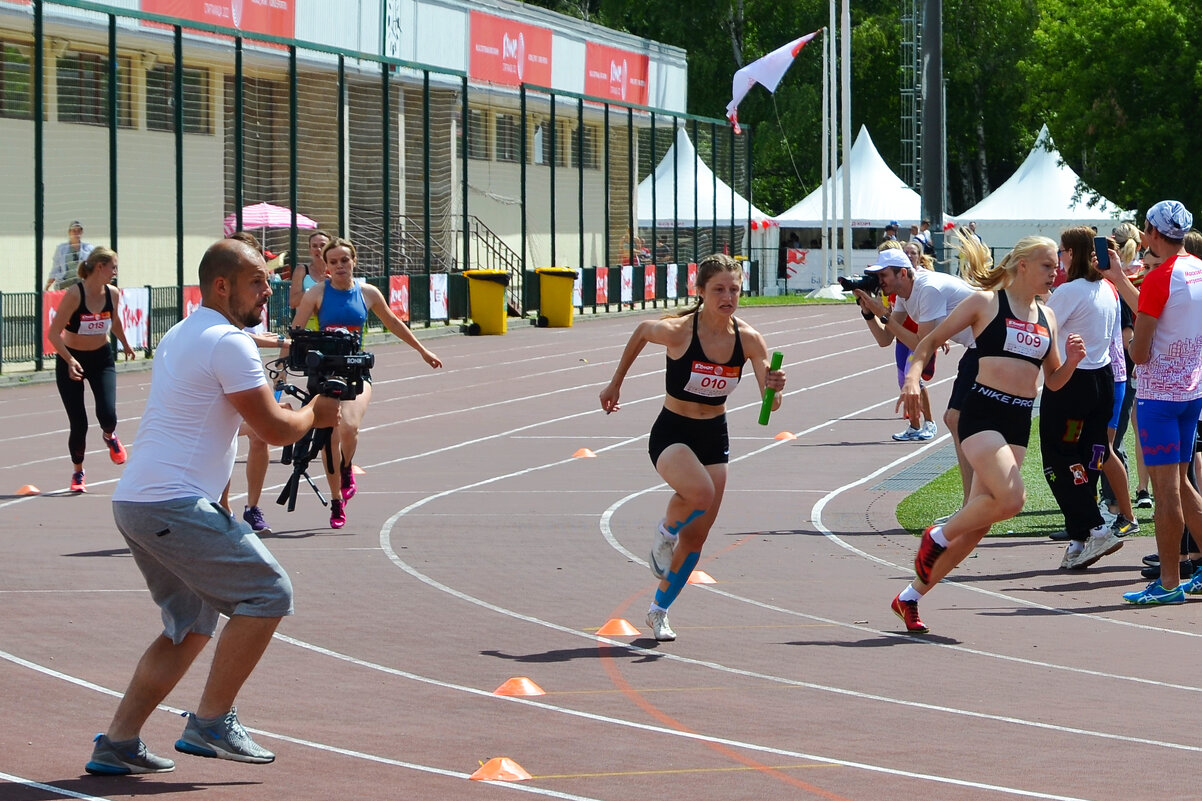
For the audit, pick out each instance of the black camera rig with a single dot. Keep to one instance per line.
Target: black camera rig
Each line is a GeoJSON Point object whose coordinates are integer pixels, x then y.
{"type": "Point", "coordinates": [869, 282]}
{"type": "Point", "coordinates": [334, 366]}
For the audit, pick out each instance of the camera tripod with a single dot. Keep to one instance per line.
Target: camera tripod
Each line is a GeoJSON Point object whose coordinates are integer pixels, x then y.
{"type": "Point", "coordinates": [299, 455]}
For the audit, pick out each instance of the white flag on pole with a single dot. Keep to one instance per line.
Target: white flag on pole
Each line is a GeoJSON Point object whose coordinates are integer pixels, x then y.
{"type": "Point", "coordinates": [766, 71]}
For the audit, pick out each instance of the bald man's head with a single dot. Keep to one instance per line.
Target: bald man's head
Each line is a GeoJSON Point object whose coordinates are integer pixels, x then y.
{"type": "Point", "coordinates": [226, 258]}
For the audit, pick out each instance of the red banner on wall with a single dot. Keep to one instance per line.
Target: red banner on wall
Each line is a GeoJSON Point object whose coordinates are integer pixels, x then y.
{"type": "Point", "coordinates": [398, 296]}
{"type": "Point", "coordinates": [272, 17]}
{"type": "Point", "coordinates": [615, 74]}
{"type": "Point", "coordinates": [504, 51]}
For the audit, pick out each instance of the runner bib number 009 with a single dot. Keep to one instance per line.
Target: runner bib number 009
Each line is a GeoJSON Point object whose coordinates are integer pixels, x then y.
{"type": "Point", "coordinates": [1026, 339]}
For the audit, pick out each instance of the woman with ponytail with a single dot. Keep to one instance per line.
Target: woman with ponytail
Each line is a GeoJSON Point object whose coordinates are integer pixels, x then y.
{"type": "Point", "coordinates": [707, 347]}
{"type": "Point", "coordinates": [1015, 338]}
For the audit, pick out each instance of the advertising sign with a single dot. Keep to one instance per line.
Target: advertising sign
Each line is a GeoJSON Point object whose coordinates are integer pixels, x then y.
{"type": "Point", "coordinates": [508, 52]}
{"type": "Point", "coordinates": [272, 17]}
{"type": "Point", "coordinates": [615, 74]}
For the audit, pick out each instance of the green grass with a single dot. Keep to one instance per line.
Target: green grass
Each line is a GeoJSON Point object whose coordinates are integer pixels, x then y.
{"type": "Point", "coordinates": [1040, 517]}
{"type": "Point", "coordinates": [787, 300]}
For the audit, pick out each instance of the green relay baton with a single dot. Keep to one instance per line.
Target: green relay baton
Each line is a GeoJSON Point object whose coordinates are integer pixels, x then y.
{"type": "Point", "coordinates": [778, 359]}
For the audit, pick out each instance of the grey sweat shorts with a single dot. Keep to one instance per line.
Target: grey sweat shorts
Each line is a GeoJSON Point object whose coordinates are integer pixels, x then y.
{"type": "Point", "coordinates": [199, 561]}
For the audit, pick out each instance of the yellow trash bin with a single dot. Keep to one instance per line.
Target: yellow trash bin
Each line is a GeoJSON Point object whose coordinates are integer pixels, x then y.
{"type": "Point", "coordinates": [555, 296]}
{"type": "Point", "coordinates": [486, 300]}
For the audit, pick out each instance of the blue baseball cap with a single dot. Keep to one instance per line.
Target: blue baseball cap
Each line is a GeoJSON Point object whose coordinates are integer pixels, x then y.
{"type": "Point", "coordinates": [1171, 219]}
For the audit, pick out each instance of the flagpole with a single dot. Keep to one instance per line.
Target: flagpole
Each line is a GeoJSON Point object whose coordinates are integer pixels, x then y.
{"type": "Point", "coordinates": [827, 275]}
{"type": "Point", "coordinates": [845, 33]}
{"type": "Point", "coordinates": [832, 140]}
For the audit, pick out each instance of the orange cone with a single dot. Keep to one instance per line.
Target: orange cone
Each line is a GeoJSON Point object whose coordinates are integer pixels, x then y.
{"type": "Point", "coordinates": [357, 470]}
{"type": "Point", "coordinates": [785, 435]}
{"type": "Point", "coordinates": [29, 489]}
{"type": "Point", "coordinates": [584, 453]}
{"type": "Point", "coordinates": [501, 769]}
{"type": "Point", "coordinates": [618, 627]}
{"type": "Point", "coordinates": [519, 686]}
{"type": "Point", "coordinates": [701, 577]}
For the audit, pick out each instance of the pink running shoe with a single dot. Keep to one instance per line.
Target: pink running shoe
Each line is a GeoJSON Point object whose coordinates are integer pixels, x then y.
{"type": "Point", "coordinates": [348, 483]}
{"type": "Point", "coordinates": [337, 514]}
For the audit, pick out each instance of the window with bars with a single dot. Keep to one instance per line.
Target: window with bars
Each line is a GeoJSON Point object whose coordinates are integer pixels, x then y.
{"type": "Point", "coordinates": [83, 90]}
{"type": "Point", "coordinates": [15, 95]}
{"type": "Point", "coordinates": [160, 99]}
{"type": "Point", "coordinates": [592, 154]}
{"type": "Point", "coordinates": [477, 134]}
{"type": "Point", "coordinates": [508, 138]}
{"type": "Point", "coordinates": [543, 150]}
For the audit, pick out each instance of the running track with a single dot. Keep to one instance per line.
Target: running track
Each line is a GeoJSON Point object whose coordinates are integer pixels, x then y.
{"type": "Point", "coordinates": [479, 549]}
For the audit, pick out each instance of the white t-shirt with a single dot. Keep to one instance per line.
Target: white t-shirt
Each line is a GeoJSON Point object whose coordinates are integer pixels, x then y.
{"type": "Point", "coordinates": [934, 296]}
{"type": "Point", "coordinates": [188, 436]}
{"type": "Point", "coordinates": [1172, 293]}
{"type": "Point", "coordinates": [1091, 309]}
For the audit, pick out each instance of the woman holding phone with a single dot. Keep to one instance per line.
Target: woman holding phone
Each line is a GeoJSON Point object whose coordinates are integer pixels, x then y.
{"type": "Point", "coordinates": [1073, 419]}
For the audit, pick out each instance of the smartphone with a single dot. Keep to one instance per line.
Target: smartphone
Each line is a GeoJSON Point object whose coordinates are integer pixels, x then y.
{"type": "Point", "coordinates": [1101, 248]}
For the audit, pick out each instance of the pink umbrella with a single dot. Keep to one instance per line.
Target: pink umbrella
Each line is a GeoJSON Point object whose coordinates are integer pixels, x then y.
{"type": "Point", "coordinates": [265, 215]}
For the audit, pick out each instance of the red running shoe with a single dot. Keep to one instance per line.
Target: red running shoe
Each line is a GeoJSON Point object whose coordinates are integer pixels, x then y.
{"type": "Point", "coordinates": [116, 449]}
{"type": "Point", "coordinates": [77, 483]}
{"type": "Point", "coordinates": [928, 552]}
{"type": "Point", "coordinates": [348, 483]}
{"type": "Point", "coordinates": [337, 514]}
{"type": "Point", "coordinates": [908, 612]}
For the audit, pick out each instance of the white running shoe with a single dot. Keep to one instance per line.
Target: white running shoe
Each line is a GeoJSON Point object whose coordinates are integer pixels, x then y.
{"type": "Point", "coordinates": [1095, 548]}
{"type": "Point", "coordinates": [930, 428]}
{"type": "Point", "coordinates": [657, 619]}
{"type": "Point", "coordinates": [911, 434]}
{"type": "Point", "coordinates": [662, 548]}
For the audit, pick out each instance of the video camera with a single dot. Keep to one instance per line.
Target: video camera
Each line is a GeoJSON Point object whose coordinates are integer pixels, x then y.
{"type": "Point", "coordinates": [335, 367]}
{"type": "Point", "coordinates": [869, 282]}
{"type": "Point", "coordinates": [331, 361]}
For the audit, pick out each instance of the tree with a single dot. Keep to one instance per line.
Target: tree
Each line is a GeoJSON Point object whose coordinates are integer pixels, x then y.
{"type": "Point", "coordinates": [1118, 84]}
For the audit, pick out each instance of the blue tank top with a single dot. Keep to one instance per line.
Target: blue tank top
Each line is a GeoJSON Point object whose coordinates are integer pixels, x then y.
{"type": "Point", "coordinates": [695, 377]}
{"type": "Point", "coordinates": [343, 309]}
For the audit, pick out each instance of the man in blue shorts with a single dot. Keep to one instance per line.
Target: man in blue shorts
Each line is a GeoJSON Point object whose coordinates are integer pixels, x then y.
{"type": "Point", "coordinates": [1168, 348]}
{"type": "Point", "coordinates": [199, 560]}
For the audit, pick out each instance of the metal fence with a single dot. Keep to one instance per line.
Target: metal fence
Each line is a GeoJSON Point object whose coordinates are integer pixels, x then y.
{"type": "Point", "coordinates": [153, 133]}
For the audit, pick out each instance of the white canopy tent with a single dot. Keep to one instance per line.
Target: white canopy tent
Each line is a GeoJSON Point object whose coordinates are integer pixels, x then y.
{"type": "Point", "coordinates": [676, 208]}
{"type": "Point", "coordinates": [878, 196]}
{"type": "Point", "coordinates": [1040, 198]}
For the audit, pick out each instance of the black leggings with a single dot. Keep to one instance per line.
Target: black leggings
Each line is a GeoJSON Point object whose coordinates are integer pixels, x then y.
{"type": "Point", "coordinates": [100, 371]}
{"type": "Point", "coordinates": [1072, 436]}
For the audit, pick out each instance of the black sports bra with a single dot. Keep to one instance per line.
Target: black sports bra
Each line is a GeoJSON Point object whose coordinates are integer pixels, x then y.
{"type": "Point", "coordinates": [87, 322]}
{"type": "Point", "coordinates": [694, 377]}
{"type": "Point", "coordinates": [1010, 338]}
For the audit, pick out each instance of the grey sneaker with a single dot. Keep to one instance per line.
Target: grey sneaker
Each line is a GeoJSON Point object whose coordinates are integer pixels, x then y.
{"type": "Point", "coordinates": [221, 738]}
{"type": "Point", "coordinates": [253, 515]}
{"type": "Point", "coordinates": [1069, 557]}
{"type": "Point", "coordinates": [657, 619]}
{"type": "Point", "coordinates": [1095, 548]}
{"type": "Point", "coordinates": [1122, 526]}
{"type": "Point", "coordinates": [662, 548]}
{"type": "Point", "coordinates": [124, 758]}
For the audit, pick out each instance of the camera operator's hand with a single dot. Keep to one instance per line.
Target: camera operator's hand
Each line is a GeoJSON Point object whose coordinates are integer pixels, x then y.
{"type": "Point", "coordinates": [326, 411]}
{"type": "Point", "coordinates": [870, 303]}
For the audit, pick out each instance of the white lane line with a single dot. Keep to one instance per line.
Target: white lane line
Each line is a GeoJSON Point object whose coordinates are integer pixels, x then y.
{"type": "Point", "coordinates": [816, 519]}
{"type": "Point", "coordinates": [284, 737]}
{"type": "Point", "coordinates": [48, 788]}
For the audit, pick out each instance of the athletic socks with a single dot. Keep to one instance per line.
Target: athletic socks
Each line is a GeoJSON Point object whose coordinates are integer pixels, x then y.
{"type": "Point", "coordinates": [909, 594]}
{"type": "Point", "coordinates": [1100, 531]}
{"type": "Point", "coordinates": [940, 540]}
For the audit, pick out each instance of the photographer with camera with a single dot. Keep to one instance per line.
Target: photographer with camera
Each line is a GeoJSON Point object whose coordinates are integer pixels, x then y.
{"type": "Point", "coordinates": [927, 297]}
{"type": "Point", "coordinates": [198, 560]}
{"type": "Point", "coordinates": [342, 303]}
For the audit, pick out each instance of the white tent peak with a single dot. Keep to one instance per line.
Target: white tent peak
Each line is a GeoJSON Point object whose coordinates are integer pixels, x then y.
{"type": "Point", "coordinates": [1044, 196]}
{"type": "Point", "coordinates": [676, 169]}
{"type": "Point", "coordinates": [878, 196]}
{"type": "Point", "coordinates": [1043, 186]}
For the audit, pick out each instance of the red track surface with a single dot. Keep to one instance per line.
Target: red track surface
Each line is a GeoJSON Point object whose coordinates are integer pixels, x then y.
{"type": "Point", "coordinates": [478, 549]}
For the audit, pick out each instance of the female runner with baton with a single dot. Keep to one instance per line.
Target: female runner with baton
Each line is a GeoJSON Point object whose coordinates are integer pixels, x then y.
{"type": "Point", "coordinates": [689, 446]}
